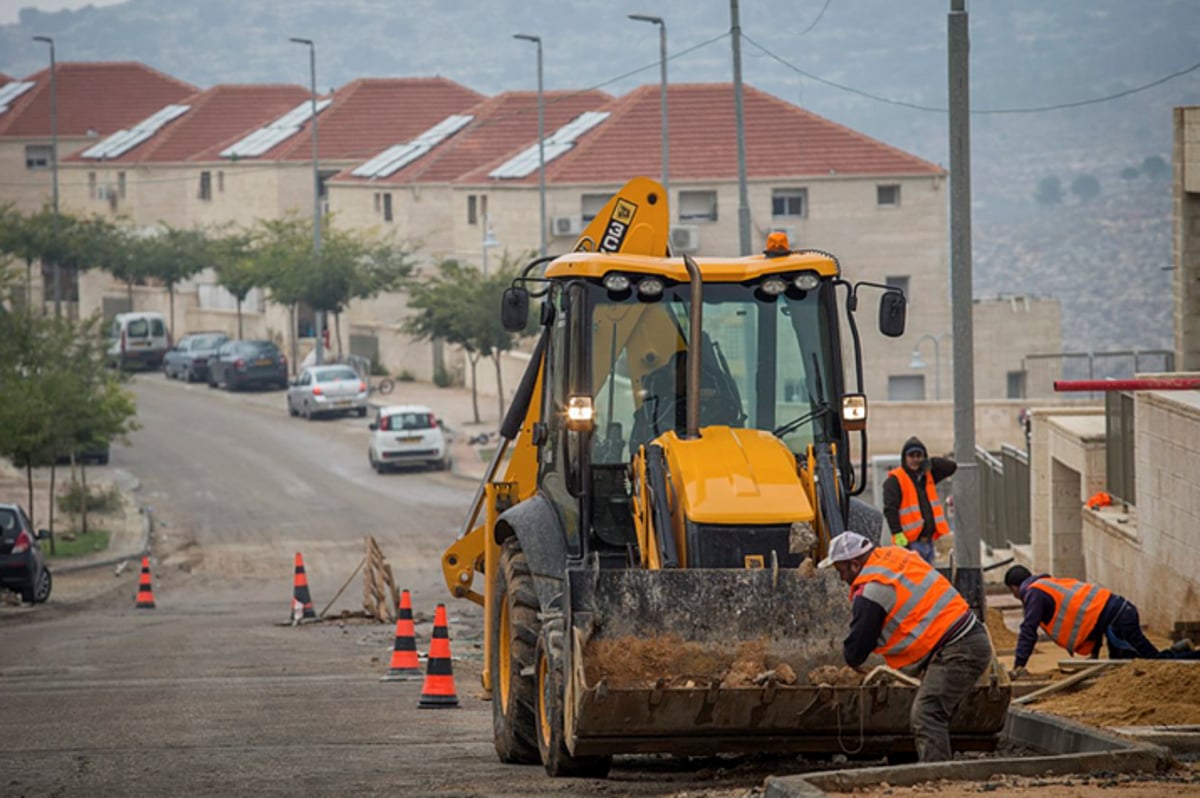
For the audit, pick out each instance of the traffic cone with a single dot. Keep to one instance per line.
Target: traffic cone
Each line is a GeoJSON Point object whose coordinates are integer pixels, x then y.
{"type": "Point", "coordinates": [404, 664]}
{"type": "Point", "coordinates": [145, 594]}
{"type": "Point", "coordinates": [438, 691]}
{"type": "Point", "coordinates": [302, 606]}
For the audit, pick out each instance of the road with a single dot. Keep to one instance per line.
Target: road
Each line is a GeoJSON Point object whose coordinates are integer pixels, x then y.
{"type": "Point", "coordinates": [211, 693]}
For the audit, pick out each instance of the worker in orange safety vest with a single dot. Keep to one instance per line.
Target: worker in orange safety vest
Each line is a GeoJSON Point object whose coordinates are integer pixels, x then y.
{"type": "Point", "coordinates": [915, 513]}
{"type": "Point", "coordinates": [907, 612]}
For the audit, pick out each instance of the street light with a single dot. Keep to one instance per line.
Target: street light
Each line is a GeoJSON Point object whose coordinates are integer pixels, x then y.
{"type": "Point", "coordinates": [918, 363]}
{"type": "Point", "coordinates": [54, 166]}
{"type": "Point", "coordinates": [541, 141]}
{"type": "Point", "coordinates": [312, 66]}
{"type": "Point", "coordinates": [662, 49]}
{"type": "Point", "coordinates": [489, 241]}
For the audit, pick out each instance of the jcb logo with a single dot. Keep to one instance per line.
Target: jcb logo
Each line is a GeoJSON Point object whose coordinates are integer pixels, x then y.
{"type": "Point", "coordinates": [618, 226]}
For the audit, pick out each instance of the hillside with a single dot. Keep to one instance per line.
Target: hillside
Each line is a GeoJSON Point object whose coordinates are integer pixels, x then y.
{"type": "Point", "coordinates": [1025, 54]}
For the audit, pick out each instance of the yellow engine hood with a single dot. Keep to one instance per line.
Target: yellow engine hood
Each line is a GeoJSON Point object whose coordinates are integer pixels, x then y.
{"type": "Point", "coordinates": [736, 476]}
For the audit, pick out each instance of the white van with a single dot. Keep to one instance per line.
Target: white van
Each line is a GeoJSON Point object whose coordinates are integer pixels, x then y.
{"type": "Point", "coordinates": [138, 339]}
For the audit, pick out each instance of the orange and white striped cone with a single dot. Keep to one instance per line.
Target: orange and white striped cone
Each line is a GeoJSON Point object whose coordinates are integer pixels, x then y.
{"type": "Point", "coordinates": [145, 594]}
{"type": "Point", "coordinates": [302, 606]}
{"type": "Point", "coordinates": [438, 691]}
{"type": "Point", "coordinates": [404, 665]}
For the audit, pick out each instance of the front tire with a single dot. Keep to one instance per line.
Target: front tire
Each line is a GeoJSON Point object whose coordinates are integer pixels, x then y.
{"type": "Point", "coordinates": [515, 624]}
{"type": "Point", "coordinates": [551, 692]}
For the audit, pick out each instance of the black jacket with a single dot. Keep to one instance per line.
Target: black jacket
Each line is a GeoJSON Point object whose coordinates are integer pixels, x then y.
{"type": "Point", "coordinates": [936, 467]}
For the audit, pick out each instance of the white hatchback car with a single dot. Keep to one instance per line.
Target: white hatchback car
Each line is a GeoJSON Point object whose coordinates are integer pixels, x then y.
{"type": "Point", "coordinates": [407, 434]}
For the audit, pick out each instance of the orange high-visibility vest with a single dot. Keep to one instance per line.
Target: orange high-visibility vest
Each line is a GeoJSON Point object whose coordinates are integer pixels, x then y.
{"type": "Point", "coordinates": [926, 607]}
{"type": "Point", "coordinates": [1077, 607]}
{"type": "Point", "coordinates": [911, 520]}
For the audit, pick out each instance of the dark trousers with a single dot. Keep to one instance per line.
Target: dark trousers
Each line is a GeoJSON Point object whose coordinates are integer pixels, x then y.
{"type": "Point", "coordinates": [951, 674]}
{"type": "Point", "coordinates": [1126, 641]}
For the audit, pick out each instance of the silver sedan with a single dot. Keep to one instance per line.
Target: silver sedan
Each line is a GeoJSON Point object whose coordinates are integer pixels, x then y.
{"type": "Point", "coordinates": [327, 390]}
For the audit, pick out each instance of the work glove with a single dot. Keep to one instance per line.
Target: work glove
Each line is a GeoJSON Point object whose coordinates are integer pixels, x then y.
{"type": "Point", "coordinates": [900, 539]}
{"type": "Point", "coordinates": [1017, 673]}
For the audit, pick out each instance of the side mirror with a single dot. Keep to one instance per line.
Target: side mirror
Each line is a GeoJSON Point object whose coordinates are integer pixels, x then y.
{"type": "Point", "coordinates": [372, 426]}
{"type": "Point", "coordinates": [44, 534]}
{"type": "Point", "coordinates": [441, 424]}
{"type": "Point", "coordinates": [514, 309]}
{"type": "Point", "coordinates": [893, 312]}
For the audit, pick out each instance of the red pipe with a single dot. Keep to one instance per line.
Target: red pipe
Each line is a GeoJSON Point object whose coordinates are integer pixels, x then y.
{"type": "Point", "coordinates": [1164, 384]}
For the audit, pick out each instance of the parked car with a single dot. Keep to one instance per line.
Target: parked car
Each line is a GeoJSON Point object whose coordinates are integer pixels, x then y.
{"type": "Point", "coordinates": [138, 339]}
{"type": "Point", "coordinates": [23, 566]}
{"type": "Point", "coordinates": [188, 359]}
{"type": "Point", "coordinates": [325, 390]}
{"type": "Point", "coordinates": [407, 434]}
{"type": "Point", "coordinates": [97, 454]}
{"type": "Point", "coordinates": [241, 364]}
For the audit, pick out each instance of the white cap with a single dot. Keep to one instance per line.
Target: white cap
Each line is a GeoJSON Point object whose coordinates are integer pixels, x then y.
{"type": "Point", "coordinates": [845, 547]}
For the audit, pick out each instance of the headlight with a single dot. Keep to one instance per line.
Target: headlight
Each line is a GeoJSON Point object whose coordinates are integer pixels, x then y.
{"type": "Point", "coordinates": [774, 286]}
{"type": "Point", "coordinates": [650, 286]}
{"type": "Point", "coordinates": [616, 282]}
{"type": "Point", "coordinates": [807, 281]}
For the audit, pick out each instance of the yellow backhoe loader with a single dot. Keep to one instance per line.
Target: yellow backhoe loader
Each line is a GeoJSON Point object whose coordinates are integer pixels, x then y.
{"type": "Point", "coordinates": [674, 460]}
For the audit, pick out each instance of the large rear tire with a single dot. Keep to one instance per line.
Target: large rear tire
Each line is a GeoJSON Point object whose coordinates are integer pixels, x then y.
{"type": "Point", "coordinates": [551, 695]}
{"type": "Point", "coordinates": [516, 626]}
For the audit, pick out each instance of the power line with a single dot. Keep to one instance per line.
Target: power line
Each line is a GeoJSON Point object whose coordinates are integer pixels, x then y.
{"type": "Point", "coordinates": [813, 24]}
{"type": "Point", "coordinates": [936, 109]}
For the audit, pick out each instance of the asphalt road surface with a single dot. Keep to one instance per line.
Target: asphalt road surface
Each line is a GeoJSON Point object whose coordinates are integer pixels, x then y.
{"type": "Point", "coordinates": [212, 693]}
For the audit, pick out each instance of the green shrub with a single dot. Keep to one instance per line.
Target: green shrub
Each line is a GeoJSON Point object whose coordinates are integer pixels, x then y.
{"type": "Point", "coordinates": [405, 376]}
{"type": "Point", "coordinates": [105, 500]}
{"type": "Point", "coordinates": [377, 369]}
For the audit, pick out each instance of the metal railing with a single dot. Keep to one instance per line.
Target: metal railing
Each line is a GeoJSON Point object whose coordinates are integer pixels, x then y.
{"type": "Point", "coordinates": [1003, 496]}
{"type": "Point", "coordinates": [1118, 451]}
{"type": "Point", "coordinates": [1042, 370]}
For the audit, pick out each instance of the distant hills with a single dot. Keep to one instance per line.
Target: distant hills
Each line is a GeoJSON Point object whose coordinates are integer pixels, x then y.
{"type": "Point", "coordinates": [885, 57]}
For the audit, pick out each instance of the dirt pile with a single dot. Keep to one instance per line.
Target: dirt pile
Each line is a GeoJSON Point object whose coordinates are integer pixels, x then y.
{"type": "Point", "coordinates": [1003, 638]}
{"type": "Point", "coordinates": [832, 675]}
{"type": "Point", "coordinates": [639, 663]}
{"type": "Point", "coordinates": [1144, 692]}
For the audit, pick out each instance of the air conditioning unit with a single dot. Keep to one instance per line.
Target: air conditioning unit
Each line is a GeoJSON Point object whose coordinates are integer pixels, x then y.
{"type": "Point", "coordinates": [685, 238]}
{"type": "Point", "coordinates": [561, 226]}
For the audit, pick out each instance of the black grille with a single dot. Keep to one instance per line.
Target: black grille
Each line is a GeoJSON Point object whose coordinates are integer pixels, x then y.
{"type": "Point", "coordinates": [716, 546]}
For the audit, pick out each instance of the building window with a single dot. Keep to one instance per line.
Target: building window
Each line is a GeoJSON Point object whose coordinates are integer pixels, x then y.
{"type": "Point", "coordinates": [1015, 385]}
{"type": "Point", "coordinates": [387, 207]}
{"type": "Point", "coordinates": [205, 186]}
{"type": "Point", "coordinates": [121, 185]}
{"type": "Point", "coordinates": [92, 186]}
{"type": "Point", "coordinates": [898, 281]}
{"type": "Point", "coordinates": [697, 206]}
{"type": "Point", "coordinates": [472, 209]}
{"type": "Point", "coordinates": [221, 182]}
{"type": "Point", "coordinates": [590, 205]}
{"type": "Point", "coordinates": [887, 196]}
{"type": "Point", "coordinates": [906, 388]}
{"type": "Point", "coordinates": [37, 156]}
{"type": "Point", "coordinates": [322, 181]}
{"type": "Point", "coordinates": [789, 202]}
{"type": "Point", "coordinates": [378, 202]}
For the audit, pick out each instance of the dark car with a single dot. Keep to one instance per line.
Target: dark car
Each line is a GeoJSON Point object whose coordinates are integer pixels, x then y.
{"type": "Point", "coordinates": [241, 364]}
{"type": "Point", "coordinates": [22, 565]}
{"type": "Point", "coordinates": [188, 360]}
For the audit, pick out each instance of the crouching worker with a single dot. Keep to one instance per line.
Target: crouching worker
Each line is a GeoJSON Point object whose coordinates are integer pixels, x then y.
{"type": "Point", "coordinates": [907, 612]}
{"type": "Point", "coordinates": [1079, 617]}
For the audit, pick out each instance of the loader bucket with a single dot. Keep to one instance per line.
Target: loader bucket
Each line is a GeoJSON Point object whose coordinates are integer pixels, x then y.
{"type": "Point", "coordinates": [708, 661]}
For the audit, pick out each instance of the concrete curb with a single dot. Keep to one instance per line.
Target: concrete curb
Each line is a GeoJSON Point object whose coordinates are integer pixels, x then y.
{"type": "Point", "coordinates": [143, 540]}
{"type": "Point", "coordinates": [1074, 748]}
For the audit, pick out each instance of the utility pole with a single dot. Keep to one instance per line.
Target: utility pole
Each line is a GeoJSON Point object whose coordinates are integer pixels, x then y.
{"type": "Point", "coordinates": [662, 53]}
{"type": "Point", "coordinates": [312, 66]}
{"type": "Point", "coordinates": [541, 105]}
{"type": "Point", "coordinates": [54, 169]}
{"type": "Point", "coordinates": [968, 577]}
{"type": "Point", "coordinates": [735, 32]}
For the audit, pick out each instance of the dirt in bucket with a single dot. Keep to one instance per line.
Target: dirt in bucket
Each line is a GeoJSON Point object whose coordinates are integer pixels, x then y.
{"type": "Point", "coordinates": [639, 663]}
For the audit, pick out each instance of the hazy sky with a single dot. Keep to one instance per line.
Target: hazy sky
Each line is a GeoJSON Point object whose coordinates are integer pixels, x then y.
{"type": "Point", "coordinates": [9, 8]}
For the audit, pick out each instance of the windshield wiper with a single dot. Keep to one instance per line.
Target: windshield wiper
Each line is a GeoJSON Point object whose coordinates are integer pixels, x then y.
{"type": "Point", "coordinates": [799, 421]}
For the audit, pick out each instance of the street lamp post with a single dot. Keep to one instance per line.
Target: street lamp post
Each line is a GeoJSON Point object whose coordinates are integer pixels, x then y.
{"type": "Point", "coordinates": [54, 166]}
{"type": "Point", "coordinates": [918, 363]}
{"type": "Point", "coordinates": [662, 49]}
{"type": "Point", "coordinates": [541, 141]}
{"type": "Point", "coordinates": [312, 66]}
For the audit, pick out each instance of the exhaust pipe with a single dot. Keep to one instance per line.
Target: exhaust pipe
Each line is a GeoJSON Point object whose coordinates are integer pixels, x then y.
{"type": "Point", "coordinates": [693, 364]}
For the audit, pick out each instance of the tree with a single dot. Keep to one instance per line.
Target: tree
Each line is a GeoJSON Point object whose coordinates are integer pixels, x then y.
{"type": "Point", "coordinates": [237, 272]}
{"type": "Point", "coordinates": [1049, 191]}
{"type": "Point", "coordinates": [1155, 168]}
{"type": "Point", "coordinates": [459, 306]}
{"type": "Point", "coordinates": [174, 256]}
{"type": "Point", "coordinates": [1085, 187]}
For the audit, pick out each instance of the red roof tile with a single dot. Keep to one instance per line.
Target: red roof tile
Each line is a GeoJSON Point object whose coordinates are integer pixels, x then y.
{"type": "Point", "coordinates": [371, 114]}
{"type": "Point", "coordinates": [781, 140]}
{"type": "Point", "coordinates": [217, 117]}
{"type": "Point", "coordinates": [502, 126]}
{"type": "Point", "coordinates": [101, 97]}
{"type": "Point", "coordinates": [6, 78]}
